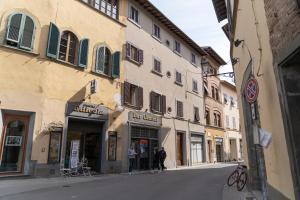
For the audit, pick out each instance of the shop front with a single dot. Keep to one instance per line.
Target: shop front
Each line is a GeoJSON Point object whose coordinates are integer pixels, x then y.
{"type": "Point", "coordinates": [85, 135]}
{"type": "Point", "coordinates": [197, 148]}
{"type": "Point", "coordinates": [215, 145]}
{"type": "Point", "coordinates": [144, 131]}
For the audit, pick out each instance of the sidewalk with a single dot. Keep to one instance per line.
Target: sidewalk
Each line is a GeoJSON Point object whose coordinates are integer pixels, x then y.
{"type": "Point", "coordinates": [231, 193]}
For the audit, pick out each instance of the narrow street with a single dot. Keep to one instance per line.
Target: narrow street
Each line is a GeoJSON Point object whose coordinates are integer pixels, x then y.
{"type": "Point", "coordinates": [187, 184]}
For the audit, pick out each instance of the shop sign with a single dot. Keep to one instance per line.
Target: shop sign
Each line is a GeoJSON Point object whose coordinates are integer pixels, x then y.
{"type": "Point", "coordinates": [196, 138]}
{"type": "Point", "coordinates": [87, 110]}
{"type": "Point", "coordinates": [74, 157]}
{"type": "Point", "coordinates": [144, 118]}
{"type": "Point", "coordinates": [15, 141]}
{"type": "Point", "coordinates": [219, 140]}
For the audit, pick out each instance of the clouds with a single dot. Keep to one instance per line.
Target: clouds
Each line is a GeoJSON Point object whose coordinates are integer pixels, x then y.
{"type": "Point", "coordinates": [198, 20]}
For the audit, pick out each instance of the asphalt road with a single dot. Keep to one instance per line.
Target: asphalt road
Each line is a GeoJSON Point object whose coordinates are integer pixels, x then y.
{"type": "Point", "coordinates": [192, 184]}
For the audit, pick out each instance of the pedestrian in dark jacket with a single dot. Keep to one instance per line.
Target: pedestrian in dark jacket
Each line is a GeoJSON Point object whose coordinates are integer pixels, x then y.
{"type": "Point", "coordinates": [155, 160]}
{"type": "Point", "coordinates": [162, 158]}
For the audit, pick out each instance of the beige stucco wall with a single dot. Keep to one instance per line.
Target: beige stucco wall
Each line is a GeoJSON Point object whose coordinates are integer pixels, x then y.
{"type": "Point", "coordinates": [276, 155]}
{"type": "Point", "coordinates": [143, 77]}
{"type": "Point", "coordinates": [32, 82]}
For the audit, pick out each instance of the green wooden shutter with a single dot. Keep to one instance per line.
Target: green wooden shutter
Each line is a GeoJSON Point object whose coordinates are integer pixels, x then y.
{"type": "Point", "coordinates": [27, 34]}
{"type": "Point", "coordinates": [83, 53]}
{"type": "Point", "coordinates": [100, 60]}
{"type": "Point", "coordinates": [116, 64]}
{"type": "Point", "coordinates": [14, 27]}
{"type": "Point", "coordinates": [53, 41]}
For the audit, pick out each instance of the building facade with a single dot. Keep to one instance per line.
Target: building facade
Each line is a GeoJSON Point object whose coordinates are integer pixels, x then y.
{"type": "Point", "coordinates": [163, 91]}
{"type": "Point", "coordinates": [231, 121]}
{"type": "Point", "coordinates": [264, 39]}
{"type": "Point", "coordinates": [214, 115]}
{"type": "Point", "coordinates": [60, 85]}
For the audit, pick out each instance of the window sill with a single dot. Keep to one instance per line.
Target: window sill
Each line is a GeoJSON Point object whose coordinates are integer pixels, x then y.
{"type": "Point", "coordinates": [134, 22]}
{"type": "Point", "coordinates": [156, 38]}
{"type": "Point", "coordinates": [133, 61]}
{"type": "Point", "coordinates": [101, 74]}
{"type": "Point", "coordinates": [20, 50]}
{"type": "Point", "coordinates": [195, 65]}
{"type": "Point", "coordinates": [157, 73]}
{"type": "Point", "coordinates": [178, 83]}
{"type": "Point", "coordinates": [132, 106]}
{"type": "Point", "coordinates": [196, 91]}
{"type": "Point", "coordinates": [179, 118]}
{"type": "Point", "coordinates": [67, 63]}
{"type": "Point", "coordinates": [177, 53]}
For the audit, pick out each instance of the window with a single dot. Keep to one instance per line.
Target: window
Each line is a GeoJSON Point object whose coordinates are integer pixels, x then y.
{"type": "Point", "coordinates": [217, 119]}
{"type": "Point", "coordinates": [205, 85]}
{"type": "Point", "coordinates": [107, 63]}
{"type": "Point", "coordinates": [207, 116]}
{"type": "Point", "coordinates": [179, 109]}
{"type": "Point", "coordinates": [68, 47]}
{"type": "Point", "coordinates": [193, 58]}
{"type": "Point", "coordinates": [20, 31]}
{"type": "Point", "coordinates": [109, 7]}
{"type": "Point", "coordinates": [133, 95]}
{"type": "Point", "coordinates": [217, 94]}
{"type": "Point", "coordinates": [195, 86]}
{"type": "Point", "coordinates": [178, 78]}
{"type": "Point", "coordinates": [112, 146]}
{"type": "Point", "coordinates": [232, 102]}
{"type": "Point", "coordinates": [225, 98]}
{"type": "Point", "coordinates": [134, 54]}
{"type": "Point", "coordinates": [157, 66]}
{"type": "Point", "coordinates": [134, 14]}
{"type": "Point", "coordinates": [157, 103]}
{"type": "Point", "coordinates": [54, 147]}
{"type": "Point", "coordinates": [196, 114]}
{"type": "Point", "coordinates": [227, 121]}
{"type": "Point", "coordinates": [177, 47]}
{"type": "Point", "coordinates": [213, 92]}
{"type": "Point", "coordinates": [156, 31]}
{"type": "Point", "coordinates": [233, 123]}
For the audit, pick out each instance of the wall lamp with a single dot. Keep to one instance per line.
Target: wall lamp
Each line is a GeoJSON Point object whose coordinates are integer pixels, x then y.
{"type": "Point", "coordinates": [237, 42]}
{"type": "Point", "coordinates": [234, 61]}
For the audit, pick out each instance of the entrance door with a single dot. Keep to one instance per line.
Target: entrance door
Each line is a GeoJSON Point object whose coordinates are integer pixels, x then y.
{"type": "Point", "coordinates": [197, 152]}
{"type": "Point", "coordinates": [92, 149]}
{"type": "Point", "coordinates": [179, 145]}
{"type": "Point", "coordinates": [219, 152]}
{"type": "Point", "coordinates": [209, 150]}
{"type": "Point", "coordinates": [13, 144]}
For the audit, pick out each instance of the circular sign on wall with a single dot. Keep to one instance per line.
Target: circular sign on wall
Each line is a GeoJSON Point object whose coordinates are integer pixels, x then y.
{"type": "Point", "coordinates": [251, 90]}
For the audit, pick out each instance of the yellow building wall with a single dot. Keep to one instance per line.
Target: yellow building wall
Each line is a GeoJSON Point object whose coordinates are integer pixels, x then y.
{"type": "Point", "coordinates": [32, 82]}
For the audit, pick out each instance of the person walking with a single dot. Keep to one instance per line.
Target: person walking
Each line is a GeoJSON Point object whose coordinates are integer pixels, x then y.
{"type": "Point", "coordinates": [162, 158]}
{"type": "Point", "coordinates": [155, 160]}
{"type": "Point", "coordinates": [131, 157]}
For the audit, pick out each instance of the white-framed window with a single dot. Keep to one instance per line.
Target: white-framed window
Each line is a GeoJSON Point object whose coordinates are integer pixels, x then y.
{"type": "Point", "coordinates": [177, 47]}
{"type": "Point", "coordinates": [134, 14]}
{"type": "Point", "coordinates": [195, 86]}
{"type": "Point", "coordinates": [157, 65]}
{"type": "Point", "coordinates": [193, 58]}
{"type": "Point", "coordinates": [156, 31]}
{"type": "Point", "coordinates": [20, 31]}
{"type": "Point", "coordinates": [178, 78]}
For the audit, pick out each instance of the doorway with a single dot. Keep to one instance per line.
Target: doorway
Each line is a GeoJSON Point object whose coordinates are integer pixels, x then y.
{"type": "Point", "coordinates": [233, 150]}
{"type": "Point", "coordinates": [13, 144]}
{"type": "Point", "coordinates": [209, 145]}
{"type": "Point", "coordinates": [179, 145]}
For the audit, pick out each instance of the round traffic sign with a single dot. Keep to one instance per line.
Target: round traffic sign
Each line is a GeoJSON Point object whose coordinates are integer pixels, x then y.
{"type": "Point", "coordinates": [251, 90]}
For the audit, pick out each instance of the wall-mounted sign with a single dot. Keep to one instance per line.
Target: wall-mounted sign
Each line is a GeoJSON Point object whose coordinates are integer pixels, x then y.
{"type": "Point", "coordinates": [15, 141]}
{"type": "Point", "coordinates": [251, 90]}
{"type": "Point", "coordinates": [74, 157]}
{"type": "Point", "coordinates": [144, 118]}
{"type": "Point", "coordinates": [87, 110]}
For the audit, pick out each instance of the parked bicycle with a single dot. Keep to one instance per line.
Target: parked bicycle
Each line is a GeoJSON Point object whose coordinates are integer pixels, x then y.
{"type": "Point", "coordinates": [82, 169]}
{"type": "Point", "coordinates": [238, 176]}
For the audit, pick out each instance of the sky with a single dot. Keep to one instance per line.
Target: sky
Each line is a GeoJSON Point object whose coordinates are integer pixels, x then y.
{"type": "Point", "coordinates": [198, 20]}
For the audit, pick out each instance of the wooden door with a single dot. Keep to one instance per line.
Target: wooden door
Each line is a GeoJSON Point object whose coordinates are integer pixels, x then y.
{"type": "Point", "coordinates": [209, 151]}
{"type": "Point", "coordinates": [13, 144]}
{"type": "Point", "coordinates": [179, 145]}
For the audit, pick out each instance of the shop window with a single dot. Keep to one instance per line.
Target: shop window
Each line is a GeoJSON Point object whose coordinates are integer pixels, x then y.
{"type": "Point", "coordinates": [109, 7]}
{"type": "Point", "coordinates": [196, 114]}
{"type": "Point", "coordinates": [20, 31]}
{"type": "Point", "coordinates": [65, 47]}
{"type": "Point", "coordinates": [112, 146]}
{"type": "Point", "coordinates": [133, 95]}
{"type": "Point", "coordinates": [54, 147]}
{"type": "Point", "coordinates": [134, 54]}
{"type": "Point", "coordinates": [179, 109]}
{"type": "Point", "coordinates": [157, 103]}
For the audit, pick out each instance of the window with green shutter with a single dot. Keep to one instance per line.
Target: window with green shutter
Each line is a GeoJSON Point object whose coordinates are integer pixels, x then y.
{"type": "Point", "coordinates": [116, 65]}
{"type": "Point", "coordinates": [20, 31]}
{"type": "Point", "coordinates": [53, 40]}
{"type": "Point", "coordinates": [83, 53]}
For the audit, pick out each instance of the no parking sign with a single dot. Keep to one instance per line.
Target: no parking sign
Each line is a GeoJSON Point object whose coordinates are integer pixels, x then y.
{"type": "Point", "coordinates": [251, 90]}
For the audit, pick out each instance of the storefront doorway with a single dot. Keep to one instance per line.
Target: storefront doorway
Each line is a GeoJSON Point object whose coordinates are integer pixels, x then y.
{"type": "Point", "coordinates": [209, 148]}
{"type": "Point", "coordinates": [145, 141]}
{"type": "Point", "coordinates": [179, 145]}
{"type": "Point", "coordinates": [197, 148]}
{"type": "Point", "coordinates": [13, 144]}
{"type": "Point", "coordinates": [219, 149]}
{"type": "Point", "coordinates": [84, 142]}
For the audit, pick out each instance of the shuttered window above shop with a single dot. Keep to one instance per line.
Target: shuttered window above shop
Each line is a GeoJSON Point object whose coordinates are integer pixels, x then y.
{"type": "Point", "coordinates": [157, 103]}
{"type": "Point", "coordinates": [134, 54]}
{"type": "Point", "coordinates": [133, 95]}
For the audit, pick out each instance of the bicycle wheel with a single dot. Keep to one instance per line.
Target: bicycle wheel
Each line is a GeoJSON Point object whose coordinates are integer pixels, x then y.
{"type": "Point", "coordinates": [232, 178]}
{"type": "Point", "coordinates": [242, 180]}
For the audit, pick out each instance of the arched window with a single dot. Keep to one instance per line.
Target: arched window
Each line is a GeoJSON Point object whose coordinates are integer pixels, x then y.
{"type": "Point", "coordinates": [217, 119]}
{"type": "Point", "coordinates": [20, 31]}
{"type": "Point", "coordinates": [103, 61]}
{"type": "Point", "coordinates": [207, 116]}
{"type": "Point", "coordinates": [68, 47]}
